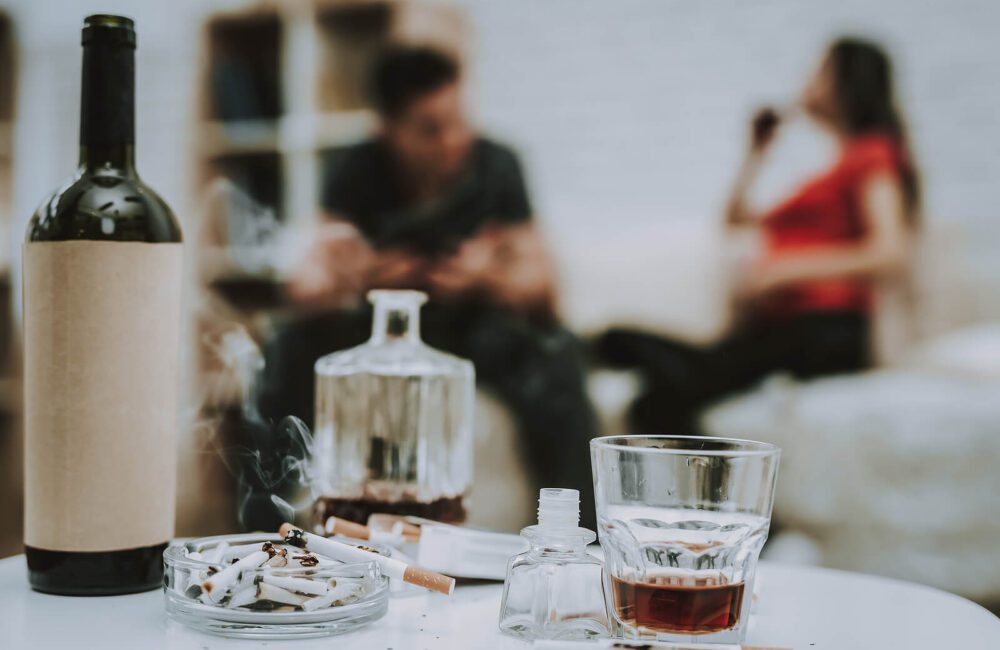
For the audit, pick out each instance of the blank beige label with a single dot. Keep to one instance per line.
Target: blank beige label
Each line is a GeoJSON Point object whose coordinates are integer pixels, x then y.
{"type": "Point", "coordinates": [101, 347]}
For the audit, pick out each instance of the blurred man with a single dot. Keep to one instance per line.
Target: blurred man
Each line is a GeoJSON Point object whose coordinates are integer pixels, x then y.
{"type": "Point", "coordinates": [428, 204]}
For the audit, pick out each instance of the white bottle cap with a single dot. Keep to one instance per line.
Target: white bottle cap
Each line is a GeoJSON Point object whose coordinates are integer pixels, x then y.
{"type": "Point", "coordinates": [558, 508]}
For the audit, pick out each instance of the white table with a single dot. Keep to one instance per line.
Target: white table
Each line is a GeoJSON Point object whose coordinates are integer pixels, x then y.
{"type": "Point", "coordinates": [802, 608]}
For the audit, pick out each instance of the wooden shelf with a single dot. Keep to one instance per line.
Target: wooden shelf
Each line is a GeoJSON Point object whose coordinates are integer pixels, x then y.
{"type": "Point", "coordinates": [282, 83]}
{"type": "Point", "coordinates": [350, 37]}
{"type": "Point", "coordinates": [8, 104]}
{"type": "Point", "coordinates": [238, 137]}
{"type": "Point", "coordinates": [287, 134]}
{"type": "Point", "coordinates": [287, 80]}
{"type": "Point", "coordinates": [10, 394]}
{"type": "Point", "coordinates": [244, 67]}
{"type": "Point", "coordinates": [344, 127]}
{"type": "Point", "coordinates": [257, 174]}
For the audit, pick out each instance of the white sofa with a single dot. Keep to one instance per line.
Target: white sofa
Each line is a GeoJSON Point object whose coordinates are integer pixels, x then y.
{"type": "Point", "coordinates": [892, 472]}
{"type": "Point", "coordinates": [889, 472]}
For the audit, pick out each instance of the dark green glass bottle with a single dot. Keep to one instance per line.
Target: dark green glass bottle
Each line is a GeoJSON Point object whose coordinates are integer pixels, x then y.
{"type": "Point", "coordinates": [102, 283]}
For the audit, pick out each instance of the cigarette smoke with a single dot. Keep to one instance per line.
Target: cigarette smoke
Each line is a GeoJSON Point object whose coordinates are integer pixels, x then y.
{"type": "Point", "coordinates": [268, 457]}
{"type": "Point", "coordinates": [256, 242]}
{"type": "Point", "coordinates": [270, 461]}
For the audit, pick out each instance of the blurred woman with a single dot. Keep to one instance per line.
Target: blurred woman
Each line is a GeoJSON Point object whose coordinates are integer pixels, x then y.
{"type": "Point", "coordinates": [806, 306]}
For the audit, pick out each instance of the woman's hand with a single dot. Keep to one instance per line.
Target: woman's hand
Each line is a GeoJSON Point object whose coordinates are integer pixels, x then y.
{"type": "Point", "coordinates": [761, 279]}
{"type": "Point", "coordinates": [763, 127]}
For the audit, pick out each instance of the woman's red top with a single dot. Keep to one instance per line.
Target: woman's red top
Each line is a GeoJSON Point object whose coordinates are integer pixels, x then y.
{"type": "Point", "coordinates": [827, 211]}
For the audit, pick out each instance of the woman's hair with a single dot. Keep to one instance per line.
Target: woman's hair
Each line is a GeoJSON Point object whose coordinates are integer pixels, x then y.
{"type": "Point", "coordinates": [863, 89]}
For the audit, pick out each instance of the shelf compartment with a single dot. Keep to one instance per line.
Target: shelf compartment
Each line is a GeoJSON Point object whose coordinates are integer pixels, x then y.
{"type": "Point", "coordinates": [258, 175]}
{"type": "Point", "coordinates": [350, 38]}
{"type": "Point", "coordinates": [244, 67]}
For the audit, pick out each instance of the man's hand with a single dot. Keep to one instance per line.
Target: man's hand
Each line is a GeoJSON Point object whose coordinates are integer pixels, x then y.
{"type": "Point", "coordinates": [468, 270]}
{"type": "Point", "coordinates": [396, 269]}
{"type": "Point", "coordinates": [507, 265]}
{"type": "Point", "coordinates": [334, 268]}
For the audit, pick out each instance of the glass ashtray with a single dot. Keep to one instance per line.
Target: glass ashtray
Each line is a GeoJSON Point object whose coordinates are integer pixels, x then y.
{"type": "Point", "coordinates": [294, 594]}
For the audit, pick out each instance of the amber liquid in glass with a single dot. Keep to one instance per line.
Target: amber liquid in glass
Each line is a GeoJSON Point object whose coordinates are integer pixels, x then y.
{"type": "Point", "coordinates": [664, 606]}
{"type": "Point", "coordinates": [449, 510]}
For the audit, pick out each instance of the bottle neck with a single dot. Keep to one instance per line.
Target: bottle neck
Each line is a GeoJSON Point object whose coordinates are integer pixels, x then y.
{"type": "Point", "coordinates": [120, 159]}
{"type": "Point", "coordinates": [569, 542]}
{"type": "Point", "coordinates": [107, 105]}
{"type": "Point", "coordinates": [396, 323]}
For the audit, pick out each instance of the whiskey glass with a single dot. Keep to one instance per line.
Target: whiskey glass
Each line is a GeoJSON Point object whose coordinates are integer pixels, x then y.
{"type": "Point", "coordinates": [682, 520]}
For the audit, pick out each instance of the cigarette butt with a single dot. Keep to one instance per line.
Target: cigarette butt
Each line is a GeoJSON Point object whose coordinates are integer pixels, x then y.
{"type": "Point", "coordinates": [216, 585]}
{"type": "Point", "coordinates": [238, 552]}
{"type": "Point", "coordinates": [297, 585]}
{"type": "Point", "coordinates": [342, 592]}
{"type": "Point", "coordinates": [429, 580]}
{"type": "Point", "coordinates": [286, 530]}
{"type": "Point", "coordinates": [276, 594]}
{"type": "Point", "coordinates": [347, 553]}
{"type": "Point", "coordinates": [338, 526]}
{"type": "Point", "coordinates": [278, 561]}
{"type": "Point", "coordinates": [214, 555]}
{"type": "Point", "coordinates": [546, 644]}
{"type": "Point", "coordinates": [243, 597]}
{"type": "Point", "coordinates": [386, 522]}
{"type": "Point", "coordinates": [394, 536]}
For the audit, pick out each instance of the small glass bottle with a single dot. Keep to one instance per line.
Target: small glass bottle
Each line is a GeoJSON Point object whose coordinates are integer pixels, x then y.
{"type": "Point", "coordinates": [393, 422]}
{"type": "Point", "coordinates": [554, 590]}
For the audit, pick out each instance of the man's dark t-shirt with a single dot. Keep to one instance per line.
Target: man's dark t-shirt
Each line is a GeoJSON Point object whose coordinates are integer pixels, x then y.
{"type": "Point", "coordinates": [361, 184]}
{"type": "Point", "coordinates": [534, 365]}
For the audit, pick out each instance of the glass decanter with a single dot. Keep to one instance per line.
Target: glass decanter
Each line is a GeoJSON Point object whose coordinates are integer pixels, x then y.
{"type": "Point", "coordinates": [554, 590]}
{"type": "Point", "coordinates": [393, 422]}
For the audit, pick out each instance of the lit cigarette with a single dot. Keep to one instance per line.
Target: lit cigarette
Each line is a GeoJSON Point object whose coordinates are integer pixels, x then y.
{"type": "Point", "coordinates": [215, 587]}
{"type": "Point", "coordinates": [346, 553]}
{"type": "Point", "coordinates": [395, 535]}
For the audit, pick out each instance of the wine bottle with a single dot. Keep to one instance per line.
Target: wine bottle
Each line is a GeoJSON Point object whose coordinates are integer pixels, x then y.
{"type": "Point", "coordinates": [102, 279]}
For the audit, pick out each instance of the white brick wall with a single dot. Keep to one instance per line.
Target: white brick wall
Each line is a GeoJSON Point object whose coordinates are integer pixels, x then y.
{"type": "Point", "coordinates": [630, 114]}
{"type": "Point", "coordinates": [632, 117]}
{"type": "Point", "coordinates": [639, 106]}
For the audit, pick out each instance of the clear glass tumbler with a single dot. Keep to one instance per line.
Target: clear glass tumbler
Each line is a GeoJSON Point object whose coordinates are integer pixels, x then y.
{"type": "Point", "coordinates": [682, 521]}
